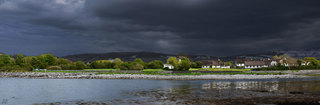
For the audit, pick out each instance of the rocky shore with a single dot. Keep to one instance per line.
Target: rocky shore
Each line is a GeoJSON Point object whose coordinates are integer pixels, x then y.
{"type": "Point", "coordinates": [55, 75]}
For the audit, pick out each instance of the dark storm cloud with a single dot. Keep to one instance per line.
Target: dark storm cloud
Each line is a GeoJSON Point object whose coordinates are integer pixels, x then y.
{"type": "Point", "coordinates": [213, 27]}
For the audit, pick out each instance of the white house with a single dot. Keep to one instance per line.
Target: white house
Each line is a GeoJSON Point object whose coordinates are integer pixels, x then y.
{"type": "Point", "coordinates": [273, 63]}
{"type": "Point", "coordinates": [239, 62]}
{"type": "Point", "coordinates": [169, 66]}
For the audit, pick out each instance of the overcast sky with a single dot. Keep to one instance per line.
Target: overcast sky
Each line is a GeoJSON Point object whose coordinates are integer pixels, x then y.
{"type": "Point", "coordinates": [211, 27]}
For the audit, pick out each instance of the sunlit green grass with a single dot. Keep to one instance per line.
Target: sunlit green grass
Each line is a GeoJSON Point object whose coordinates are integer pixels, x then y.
{"type": "Point", "coordinates": [64, 71]}
{"type": "Point", "coordinates": [194, 69]}
{"type": "Point", "coordinates": [102, 69]}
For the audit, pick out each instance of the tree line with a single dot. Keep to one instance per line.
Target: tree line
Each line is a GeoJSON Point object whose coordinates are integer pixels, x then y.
{"type": "Point", "coordinates": [44, 61]}
{"type": "Point", "coordinates": [48, 61]}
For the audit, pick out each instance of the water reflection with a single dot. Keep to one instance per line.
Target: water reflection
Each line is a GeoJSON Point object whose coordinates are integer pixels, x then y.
{"type": "Point", "coordinates": [283, 86]}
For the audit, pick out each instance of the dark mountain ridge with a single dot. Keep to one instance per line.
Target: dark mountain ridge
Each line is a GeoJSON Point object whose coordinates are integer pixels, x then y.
{"type": "Point", "coordinates": [130, 56]}
{"type": "Point", "coordinates": [149, 56]}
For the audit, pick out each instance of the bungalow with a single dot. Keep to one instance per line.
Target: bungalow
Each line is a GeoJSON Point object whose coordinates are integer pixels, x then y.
{"type": "Point", "coordinates": [207, 64]}
{"type": "Point", "coordinates": [239, 62]}
{"type": "Point", "coordinates": [214, 64]}
{"type": "Point", "coordinates": [273, 63]}
{"type": "Point", "coordinates": [169, 66]}
{"type": "Point", "coordinates": [250, 64]}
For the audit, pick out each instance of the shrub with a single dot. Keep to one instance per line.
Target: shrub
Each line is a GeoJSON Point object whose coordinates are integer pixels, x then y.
{"type": "Point", "coordinates": [54, 68]}
{"type": "Point", "coordinates": [124, 66]}
{"type": "Point", "coordinates": [139, 61]}
{"type": "Point", "coordinates": [166, 68]}
{"type": "Point", "coordinates": [184, 65]}
{"type": "Point", "coordinates": [68, 67]}
{"type": "Point", "coordinates": [136, 66]}
{"type": "Point", "coordinates": [156, 64]}
{"type": "Point", "coordinates": [117, 63]}
{"type": "Point", "coordinates": [131, 66]}
{"type": "Point", "coordinates": [13, 68]}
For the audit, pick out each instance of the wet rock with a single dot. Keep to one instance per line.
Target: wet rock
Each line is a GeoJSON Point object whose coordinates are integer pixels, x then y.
{"type": "Point", "coordinates": [296, 92]}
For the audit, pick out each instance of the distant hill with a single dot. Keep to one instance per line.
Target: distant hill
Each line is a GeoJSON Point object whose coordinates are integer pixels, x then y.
{"type": "Point", "coordinates": [149, 56]}
{"type": "Point", "coordinates": [295, 53]}
{"type": "Point", "coordinates": [130, 56]}
{"type": "Point", "coordinates": [301, 53]}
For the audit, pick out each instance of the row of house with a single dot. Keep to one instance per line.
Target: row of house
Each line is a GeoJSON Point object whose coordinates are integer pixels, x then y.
{"type": "Point", "coordinates": [214, 64]}
{"type": "Point", "coordinates": [251, 64]}
{"type": "Point", "coordinates": [284, 60]}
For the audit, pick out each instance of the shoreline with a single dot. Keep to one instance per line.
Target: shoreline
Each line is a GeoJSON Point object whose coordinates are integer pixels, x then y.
{"type": "Point", "coordinates": [55, 75]}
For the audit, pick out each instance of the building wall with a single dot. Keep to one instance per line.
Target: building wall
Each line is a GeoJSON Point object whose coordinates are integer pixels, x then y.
{"type": "Point", "coordinates": [240, 64]}
{"type": "Point", "coordinates": [222, 67]}
{"type": "Point", "coordinates": [206, 67]}
{"type": "Point", "coordinates": [169, 66]}
{"type": "Point", "coordinates": [256, 66]}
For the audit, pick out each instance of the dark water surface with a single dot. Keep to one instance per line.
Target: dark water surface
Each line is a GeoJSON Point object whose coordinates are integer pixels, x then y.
{"type": "Point", "coordinates": [15, 91]}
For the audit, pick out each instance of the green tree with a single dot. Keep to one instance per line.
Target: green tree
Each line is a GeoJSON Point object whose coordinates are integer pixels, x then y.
{"type": "Point", "coordinates": [79, 65]}
{"type": "Point", "coordinates": [5, 59]}
{"type": "Point", "coordinates": [35, 62]}
{"type": "Point", "coordinates": [140, 61]}
{"type": "Point", "coordinates": [101, 64]}
{"type": "Point", "coordinates": [156, 64]}
{"type": "Point", "coordinates": [197, 64]}
{"type": "Point", "coordinates": [193, 65]}
{"type": "Point", "coordinates": [52, 60]}
{"type": "Point", "coordinates": [62, 61]}
{"type": "Point", "coordinates": [95, 65]}
{"type": "Point", "coordinates": [124, 66]}
{"type": "Point", "coordinates": [299, 61]}
{"type": "Point", "coordinates": [28, 60]}
{"type": "Point", "coordinates": [117, 62]}
{"type": "Point", "coordinates": [174, 62]}
{"type": "Point", "coordinates": [185, 64]}
{"type": "Point", "coordinates": [136, 66]}
{"type": "Point", "coordinates": [19, 60]}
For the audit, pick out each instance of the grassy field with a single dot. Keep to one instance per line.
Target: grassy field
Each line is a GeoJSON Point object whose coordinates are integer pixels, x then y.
{"type": "Point", "coordinates": [65, 71]}
{"type": "Point", "coordinates": [102, 69]}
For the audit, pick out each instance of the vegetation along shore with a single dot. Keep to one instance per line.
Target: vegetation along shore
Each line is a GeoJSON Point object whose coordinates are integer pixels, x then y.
{"type": "Point", "coordinates": [175, 68]}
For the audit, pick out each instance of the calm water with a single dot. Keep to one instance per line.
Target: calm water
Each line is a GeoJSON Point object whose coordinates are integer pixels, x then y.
{"type": "Point", "coordinates": [15, 91]}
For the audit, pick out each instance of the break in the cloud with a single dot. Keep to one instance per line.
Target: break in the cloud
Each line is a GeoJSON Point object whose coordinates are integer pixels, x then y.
{"type": "Point", "coordinates": [212, 27]}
